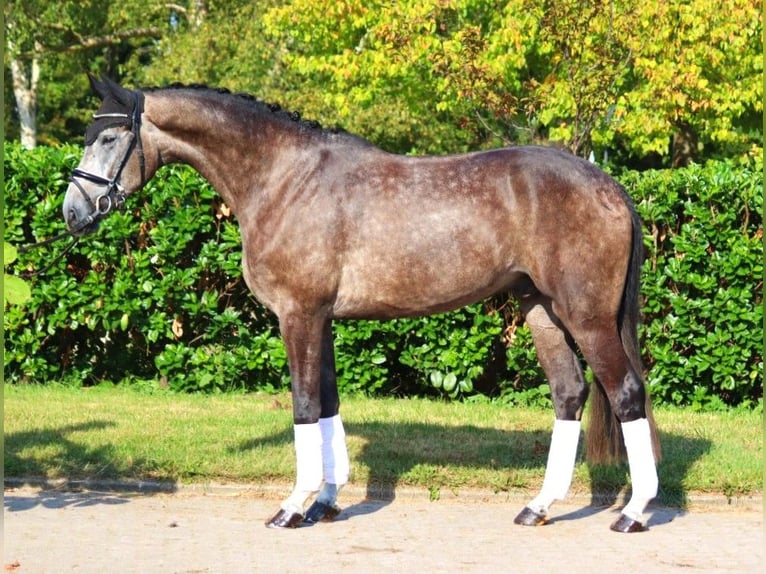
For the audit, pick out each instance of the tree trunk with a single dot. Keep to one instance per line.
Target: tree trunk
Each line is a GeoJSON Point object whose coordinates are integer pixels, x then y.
{"type": "Point", "coordinates": [199, 12]}
{"type": "Point", "coordinates": [683, 146]}
{"type": "Point", "coordinates": [25, 91]}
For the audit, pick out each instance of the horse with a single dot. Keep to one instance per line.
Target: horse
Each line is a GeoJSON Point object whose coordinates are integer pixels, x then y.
{"type": "Point", "coordinates": [334, 228]}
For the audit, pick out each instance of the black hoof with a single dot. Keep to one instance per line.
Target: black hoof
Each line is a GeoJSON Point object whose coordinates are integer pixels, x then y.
{"type": "Point", "coordinates": [627, 524]}
{"type": "Point", "coordinates": [321, 512]}
{"type": "Point", "coordinates": [529, 517]}
{"type": "Point", "coordinates": [285, 519]}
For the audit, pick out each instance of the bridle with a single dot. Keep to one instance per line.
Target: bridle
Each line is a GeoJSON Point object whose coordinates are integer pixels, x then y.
{"type": "Point", "coordinates": [114, 194]}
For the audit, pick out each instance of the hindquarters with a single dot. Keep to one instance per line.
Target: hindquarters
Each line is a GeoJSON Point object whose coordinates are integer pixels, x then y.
{"type": "Point", "coordinates": [586, 264]}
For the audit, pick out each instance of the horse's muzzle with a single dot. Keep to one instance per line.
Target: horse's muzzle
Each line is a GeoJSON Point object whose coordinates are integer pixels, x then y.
{"type": "Point", "coordinates": [79, 227]}
{"type": "Point", "coordinates": [80, 219]}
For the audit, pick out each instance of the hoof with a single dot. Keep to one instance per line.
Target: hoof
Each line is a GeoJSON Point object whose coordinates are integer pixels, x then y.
{"type": "Point", "coordinates": [321, 512]}
{"type": "Point", "coordinates": [627, 524]}
{"type": "Point", "coordinates": [529, 517]}
{"type": "Point", "coordinates": [285, 519]}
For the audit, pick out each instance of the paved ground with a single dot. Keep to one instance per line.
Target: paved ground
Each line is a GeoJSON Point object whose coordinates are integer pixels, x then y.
{"type": "Point", "coordinates": [222, 531]}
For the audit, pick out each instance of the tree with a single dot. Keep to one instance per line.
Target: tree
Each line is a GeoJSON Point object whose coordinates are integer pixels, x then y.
{"type": "Point", "coordinates": [46, 37]}
{"type": "Point", "coordinates": [634, 78]}
{"type": "Point", "coordinates": [408, 75]}
{"type": "Point", "coordinates": [215, 43]}
{"type": "Point", "coordinates": [581, 66]}
{"type": "Point", "coordinates": [696, 79]}
{"type": "Point", "coordinates": [667, 82]}
{"type": "Point", "coordinates": [25, 71]}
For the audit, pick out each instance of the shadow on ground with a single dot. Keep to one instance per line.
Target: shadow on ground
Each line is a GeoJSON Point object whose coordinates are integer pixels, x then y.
{"type": "Point", "coordinates": [63, 452]}
{"type": "Point", "coordinates": [393, 453]}
{"type": "Point", "coordinates": [58, 498]}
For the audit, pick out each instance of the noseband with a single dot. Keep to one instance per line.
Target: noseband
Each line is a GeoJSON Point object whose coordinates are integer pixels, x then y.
{"type": "Point", "coordinates": [114, 194]}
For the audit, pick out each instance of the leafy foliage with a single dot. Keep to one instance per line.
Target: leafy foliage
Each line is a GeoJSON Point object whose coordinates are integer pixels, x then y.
{"type": "Point", "coordinates": [650, 83]}
{"type": "Point", "coordinates": [449, 75]}
{"type": "Point", "coordinates": [702, 283]}
{"type": "Point", "coordinates": [157, 293]}
{"type": "Point", "coordinates": [63, 39]}
{"type": "Point", "coordinates": [15, 290]}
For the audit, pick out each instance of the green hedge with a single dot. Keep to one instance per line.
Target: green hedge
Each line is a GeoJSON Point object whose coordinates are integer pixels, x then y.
{"type": "Point", "coordinates": [702, 284]}
{"type": "Point", "coordinates": [157, 295]}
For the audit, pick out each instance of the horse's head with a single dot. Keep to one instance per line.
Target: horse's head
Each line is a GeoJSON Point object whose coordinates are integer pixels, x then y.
{"type": "Point", "coordinates": [113, 165]}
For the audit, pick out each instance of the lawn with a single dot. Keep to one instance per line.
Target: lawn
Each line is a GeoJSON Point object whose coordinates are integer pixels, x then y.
{"type": "Point", "coordinates": [119, 433]}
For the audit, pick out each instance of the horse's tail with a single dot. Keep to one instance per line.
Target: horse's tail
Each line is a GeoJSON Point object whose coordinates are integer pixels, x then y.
{"type": "Point", "coordinates": [605, 443]}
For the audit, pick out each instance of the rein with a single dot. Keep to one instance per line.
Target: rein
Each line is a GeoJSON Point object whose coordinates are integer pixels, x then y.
{"type": "Point", "coordinates": [67, 249]}
{"type": "Point", "coordinates": [113, 196]}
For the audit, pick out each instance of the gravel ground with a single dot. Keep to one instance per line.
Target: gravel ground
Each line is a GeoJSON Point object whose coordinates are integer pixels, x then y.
{"type": "Point", "coordinates": [221, 531]}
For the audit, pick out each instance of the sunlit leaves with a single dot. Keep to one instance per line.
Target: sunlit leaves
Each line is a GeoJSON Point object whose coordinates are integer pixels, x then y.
{"type": "Point", "coordinates": [678, 80]}
{"type": "Point", "coordinates": [15, 290]}
{"type": "Point", "coordinates": [621, 74]}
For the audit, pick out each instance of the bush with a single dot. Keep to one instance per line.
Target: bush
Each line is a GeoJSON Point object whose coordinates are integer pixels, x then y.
{"type": "Point", "coordinates": [702, 284]}
{"type": "Point", "coordinates": [157, 294]}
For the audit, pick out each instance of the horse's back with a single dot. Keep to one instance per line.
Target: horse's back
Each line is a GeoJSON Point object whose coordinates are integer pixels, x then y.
{"type": "Point", "coordinates": [423, 235]}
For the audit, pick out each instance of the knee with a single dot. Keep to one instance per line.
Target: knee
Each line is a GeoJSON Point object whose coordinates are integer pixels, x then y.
{"type": "Point", "coordinates": [305, 411]}
{"type": "Point", "coordinates": [568, 403]}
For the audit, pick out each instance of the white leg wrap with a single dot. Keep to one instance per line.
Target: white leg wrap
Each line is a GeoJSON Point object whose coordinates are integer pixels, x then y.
{"type": "Point", "coordinates": [308, 456]}
{"type": "Point", "coordinates": [334, 459]}
{"type": "Point", "coordinates": [560, 466]}
{"type": "Point", "coordinates": [643, 468]}
{"type": "Point", "coordinates": [334, 452]}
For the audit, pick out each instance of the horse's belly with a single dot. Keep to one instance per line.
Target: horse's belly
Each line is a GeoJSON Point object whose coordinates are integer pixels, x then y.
{"type": "Point", "coordinates": [418, 288]}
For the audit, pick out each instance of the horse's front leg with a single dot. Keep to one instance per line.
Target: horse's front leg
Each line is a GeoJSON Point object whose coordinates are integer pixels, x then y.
{"type": "Point", "coordinates": [334, 451]}
{"type": "Point", "coordinates": [317, 425]}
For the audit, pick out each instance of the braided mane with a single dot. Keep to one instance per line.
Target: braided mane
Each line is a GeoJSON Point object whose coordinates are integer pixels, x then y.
{"type": "Point", "coordinates": [256, 103]}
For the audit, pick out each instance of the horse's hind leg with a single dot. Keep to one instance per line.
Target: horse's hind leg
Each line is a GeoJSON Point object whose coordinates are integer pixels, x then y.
{"type": "Point", "coordinates": [555, 351]}
{"type": "Point", "coordinates": [603, 350]}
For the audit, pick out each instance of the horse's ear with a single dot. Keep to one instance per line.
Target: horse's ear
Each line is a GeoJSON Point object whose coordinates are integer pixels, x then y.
{"type": "Point", "coordinates": [106, 87]}
{"type": "Point", "coordinates": [98, 87]}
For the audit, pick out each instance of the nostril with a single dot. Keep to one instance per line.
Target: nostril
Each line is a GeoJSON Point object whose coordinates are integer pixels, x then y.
{"type": "Point", "coordinates": [71, 217]}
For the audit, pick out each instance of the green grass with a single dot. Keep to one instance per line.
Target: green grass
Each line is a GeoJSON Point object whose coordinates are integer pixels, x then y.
{"type": "Point", "coordinates": [118, 433]}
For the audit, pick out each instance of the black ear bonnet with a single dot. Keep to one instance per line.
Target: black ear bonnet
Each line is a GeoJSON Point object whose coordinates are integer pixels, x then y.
{"type": "Point", "coordinates": [119, 108]}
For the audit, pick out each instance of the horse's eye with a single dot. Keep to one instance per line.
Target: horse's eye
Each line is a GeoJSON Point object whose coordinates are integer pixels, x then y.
{"type": "Point", "coordinates": [107, 139]}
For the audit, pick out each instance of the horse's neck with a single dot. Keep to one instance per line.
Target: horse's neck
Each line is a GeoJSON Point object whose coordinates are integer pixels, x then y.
{"type": "Point", "coordinates": [226, 153]}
